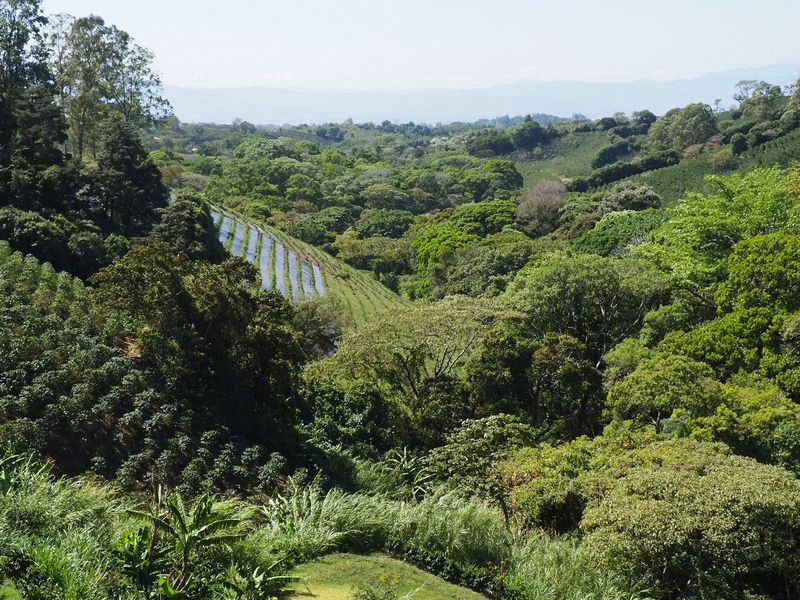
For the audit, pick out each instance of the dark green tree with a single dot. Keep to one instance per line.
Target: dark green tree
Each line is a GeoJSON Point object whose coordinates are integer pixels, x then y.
{"type": "Point", "coordinates": [127, 190]}
{"type": "Point", "coordinates": [187, 226]}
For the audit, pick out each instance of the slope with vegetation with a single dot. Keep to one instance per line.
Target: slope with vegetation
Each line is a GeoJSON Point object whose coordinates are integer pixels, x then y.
{"type": "Point", "coordinates": [590, 389]}
{"type": "Point", "coordinates": [356, 297]}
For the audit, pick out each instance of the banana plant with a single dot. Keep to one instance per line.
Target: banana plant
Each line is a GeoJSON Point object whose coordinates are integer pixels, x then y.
{"type": "Point", "coordinates": [412, 472]}
{"type": "Point", "coordinates": [206, 523]}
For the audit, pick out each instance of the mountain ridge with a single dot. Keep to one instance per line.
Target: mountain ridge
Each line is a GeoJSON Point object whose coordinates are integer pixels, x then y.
{"type": "Point", "coordinates": [268, 105]}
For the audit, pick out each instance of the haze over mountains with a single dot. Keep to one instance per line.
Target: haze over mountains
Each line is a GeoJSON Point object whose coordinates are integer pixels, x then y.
{"type": "Point", "coordinates": [263, 105]}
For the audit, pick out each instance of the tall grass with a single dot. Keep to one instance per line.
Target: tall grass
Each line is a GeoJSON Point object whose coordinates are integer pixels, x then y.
{"type": "Point", "coordinates": [50, 530]}
{"type": "Point", "coordinates": [61, 539]}
{"type": "Point", "coordinates": [464, 532]}
{"type": "Point", "coordinates": [552, 568]}
{"type": "Point", "coordinates": [463, 540]}
{"type": "Point", "coordinates": [305, 522]}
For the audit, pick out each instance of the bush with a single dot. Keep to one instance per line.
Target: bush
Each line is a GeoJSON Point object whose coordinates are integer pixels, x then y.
{"type": "Point", "coordinates": [468, 459]}
{"type": "Point", "coordinates": [683, 518]}
{"type": "Point", "coordinates": [384, 223]}
{"type": "Point", "coordinates": [701, 525]}
{"type": "Point", "coordinates": [616, 232]}
{"type": "Point", "coordinates": [539, 211]}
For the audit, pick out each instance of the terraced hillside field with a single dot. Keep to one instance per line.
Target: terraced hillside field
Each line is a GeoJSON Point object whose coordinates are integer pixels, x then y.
{"type": "Point", "coordinates": [301, 271]}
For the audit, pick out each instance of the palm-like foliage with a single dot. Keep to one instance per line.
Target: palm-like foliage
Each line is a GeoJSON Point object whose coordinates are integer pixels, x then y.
{"type": "Point", "coordinates": [258, 584]}
{"type": "Point", "coordinates": [207, 522]}
{"type": "Point", "coordinates": [415, 477]}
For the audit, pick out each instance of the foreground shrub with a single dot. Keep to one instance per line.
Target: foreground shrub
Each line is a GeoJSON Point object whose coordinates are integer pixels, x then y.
{"type": "Point", "coordinates": [686, 518]}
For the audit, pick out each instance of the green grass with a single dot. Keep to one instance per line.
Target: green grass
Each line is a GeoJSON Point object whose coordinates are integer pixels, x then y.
{"type": "Point", "coordinates": [566, 157]}
{"type": "Point", "coordinates": [9, 592]}
{"type": "Point", "coordinates": [334, 577]}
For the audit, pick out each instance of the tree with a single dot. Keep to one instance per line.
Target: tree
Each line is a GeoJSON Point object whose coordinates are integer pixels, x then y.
{"type": "Point", "coordinates": [21, 66]}
{"type": "Point", "coordinates": [681, 128]}
{"type": "Point", "coordinates": [744, 89]}
{"type": "Point", "coordinates": [763, 271]}
{"type": "Point", "coordinates": [416, 345]}
{"type": "Point", "coordinates": [382, 195]}
{"type": "Point", "coordinates": [528, 134]}
{"type": "Point", "coordinates": [692, 247]}
{"type": "Point", "coordinates": [738, 143]}
{"type": "Point", "coordinates": [489, 142]}
{"type": "Point", "coordinates": [644, 117]}
{"type": "Point", "coordinates": [384, 223]}
{"type": "Point", "coordinates": [483, 268]}
{"type": "Point", "coordinates": [482, 218]}
{"type": "Point", "coordinates": [468, 459]}
{"type": "Point", "coordinates": [436, 241]}
{"type": "Point", "coordinates": [101, 72]}
{"type": "Point", "coordinates": [127, 190]}
{"type": "Point", "coordinates": [146, 288]}
{"type": "Point", "coordinates": [493, 178]}
{"type": "Point", "coordinates": [566, 387]}
{"type": "Point", "coordinates": [630, 196]}
{"type": "Point", "coordinates": [683, 517]}
{"type": "Point", "coordinates": [662, 384]}
{"type": "Point", "coordinates": [599, 301]}
{"type": "Point", "coordinates": [21, 49]}
{"type": "Point", "coordinates": [187, 226]}
{"type": "Point", "coordinates": [37, 175]}
{"type": "Point", "coordinates": [538, 212]}
{"type": "Point", "coordinates": [620, 231]}
{"type": "Point", "coordinates": [764, 104]}
{"type": "Point", "coordinates": [694, 523]}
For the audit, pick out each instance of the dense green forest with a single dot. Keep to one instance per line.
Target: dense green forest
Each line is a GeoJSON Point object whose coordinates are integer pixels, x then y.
{"type": "Point", "coordinates": [581, 379]}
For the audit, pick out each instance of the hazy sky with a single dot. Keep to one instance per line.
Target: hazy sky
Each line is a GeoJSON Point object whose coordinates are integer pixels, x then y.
{"type": "Point", "coordinates": [411, 44]}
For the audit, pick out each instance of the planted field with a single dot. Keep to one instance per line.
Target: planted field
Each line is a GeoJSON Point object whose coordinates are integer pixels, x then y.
{"type": "Point", "coordinates": [238, 239]}
{"type": "Point", "coordinates": [303, 272]}
{"type": "Point", "coordinates": [47, 287]}
{"type": "Point", "coordinates": [568, 157]}
{"type": "Point", "coordinates": [674, 182]}
{"type": "Point", "coordinates": [335, 577]}
{"type": "Point", "coordinates": [783, 151]}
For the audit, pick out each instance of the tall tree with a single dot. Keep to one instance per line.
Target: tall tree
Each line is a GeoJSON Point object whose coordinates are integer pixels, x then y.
{"type": "Point", "coordinates": [21, 47]}
{"type": "Point", "coordinates": [100, 72]}
{"type": "Point", "coordinates": [127, 190]}
{"type": "Point", "coordinates": [31, 124]}
{"type": "Point", "coordinates": [21, 51]}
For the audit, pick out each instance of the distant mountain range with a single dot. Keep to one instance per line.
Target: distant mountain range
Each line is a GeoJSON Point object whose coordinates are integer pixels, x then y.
{"type": "Point", "coordinates": [262, 105]}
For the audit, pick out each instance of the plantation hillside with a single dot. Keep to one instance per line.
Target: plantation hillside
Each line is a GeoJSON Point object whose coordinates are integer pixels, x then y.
{"type": "Point", "coordinates": [522, 358]}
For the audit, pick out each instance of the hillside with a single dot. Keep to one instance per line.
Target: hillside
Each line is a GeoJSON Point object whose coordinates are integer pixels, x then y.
{"type": "Point", "coordinates": [300, 271]}
{"type": "Point", "coordinates": [517, 358]}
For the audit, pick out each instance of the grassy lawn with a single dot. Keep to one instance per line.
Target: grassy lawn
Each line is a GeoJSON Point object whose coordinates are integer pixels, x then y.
{"type": "Point", "coordinates": [334, 577]}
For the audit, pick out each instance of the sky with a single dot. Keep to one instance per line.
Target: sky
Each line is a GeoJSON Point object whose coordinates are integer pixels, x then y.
{"type": "Point", "coordinates": [447, 44]}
